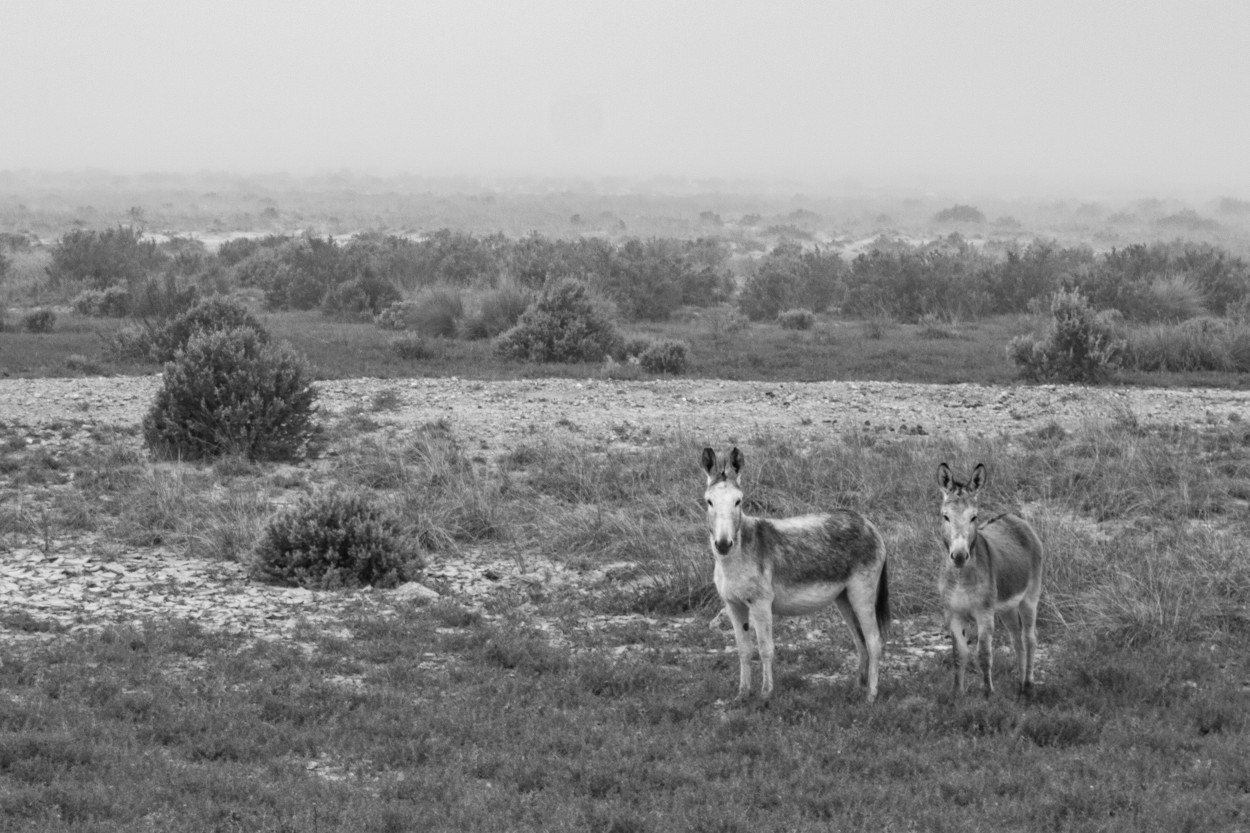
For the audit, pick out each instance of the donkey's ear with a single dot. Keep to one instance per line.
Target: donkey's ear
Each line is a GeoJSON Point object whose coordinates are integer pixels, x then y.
{"type": "Point", "coordinates": [708, 461]}
{"type": "Point", "coordinates": [736, 461]}
{"type": "Point", "coordinates": [945, 481]}
{"type": "Point", "coordinates": [979, 477]}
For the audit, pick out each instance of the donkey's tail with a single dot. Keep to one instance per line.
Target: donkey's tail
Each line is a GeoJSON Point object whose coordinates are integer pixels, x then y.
{"type": "Point", "coordinates": [883, 601]}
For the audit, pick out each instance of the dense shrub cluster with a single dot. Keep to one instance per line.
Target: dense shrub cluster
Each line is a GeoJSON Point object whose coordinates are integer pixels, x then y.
{"type": "Point", "coordinates": [564, 324]}
{"type": "Point", "coordinates": [100, 259]}
{"type": "Point", "coordinates": [335, 540]}
{"type": "Point", "coordinates": [230, 392]}
{"type": "Point", "coordinates": [667, 356]}
{"type": "Point", "coordinates": [789, 277]}
{"type": "Point", "coordinates": [1081, 345]}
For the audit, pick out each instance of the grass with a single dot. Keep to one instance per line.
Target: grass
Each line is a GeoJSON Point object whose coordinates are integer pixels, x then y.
{"type": "Point", "coordinates": [832, 349]}
{"type": "Point", "coordinates": [600, 705]}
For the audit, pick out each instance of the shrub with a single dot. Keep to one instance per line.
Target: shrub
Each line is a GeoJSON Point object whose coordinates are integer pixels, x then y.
{"type": "Point", "coordinates": [796, 319]}
{"type": "Point", "coordinates": [229, 392]}
{"type": "Point", "coordinates": [113, 302]}
{"type": "Point", "coordinates": [395, 316]}
{"type": "Point", "coordinates": [789, 278]}
{"type": "Point", "coordinates": [332, 541]}
{"type": "Point", "coordinates": [1198, 344]}
{"type": "Point", "coordinates": [497, 311]}
{"type": "Point", "coordinates": [564, 324]}
{"type": "Point", "coordinates": [366, 293]}
{"type": "Point", "coordinates": [103, 258]}
{"type": "Point", "coordinates": [436, 312]}
{"type": "Point", "coordinates": [39, 321]}
{"type": "Point", "coordinates": [411, 347]}
{"type": "Point", "coordinates": [665, 357]}
{"type": "Point", "coordinates": [1081, 346]}
{"type": "Point", "coordinates": [634, 347]}
{"type": "Point", "coordinates": [960, 214]}
{"type": "Point", "coordinates": [209, 315]}
{"type": "Point", "coordinates": [1171, 298]}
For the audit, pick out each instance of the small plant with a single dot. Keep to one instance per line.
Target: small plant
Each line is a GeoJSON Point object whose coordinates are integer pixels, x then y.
{"type": "Point", "coordinates": [565, 324]}
{"type": "Point", "coordinates": [335, 540]}
{"type": "Point", "coordinates": [796, 319]}
{"type": "Point", "coordinates": [665, 357]}
{"type": "Point", "coordinates": [230, 392]}
{"type": "Point", "coordinates": [39, 321]}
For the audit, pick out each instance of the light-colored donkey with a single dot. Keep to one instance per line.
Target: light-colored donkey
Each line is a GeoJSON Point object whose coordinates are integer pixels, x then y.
{"type": "Point", "coordinates": [790, 567]}
{"type": "Point", "coordinates": [991, 567]}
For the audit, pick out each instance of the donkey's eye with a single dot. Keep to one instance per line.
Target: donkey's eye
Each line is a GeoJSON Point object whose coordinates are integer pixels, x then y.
{"type": "Point", "coordinates": [946, 517]}
{"type": "Point", "coordinates": [709, 503]}
{"type": "Point", "coordinates": [737, 503]}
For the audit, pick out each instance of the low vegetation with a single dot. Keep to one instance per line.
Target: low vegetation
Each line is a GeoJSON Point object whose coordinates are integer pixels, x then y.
{"type": "Point", "coordinates": [512, 713]}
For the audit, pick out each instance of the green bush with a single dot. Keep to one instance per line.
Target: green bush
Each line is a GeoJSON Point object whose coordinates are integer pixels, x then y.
{"type": "Point", "coordinates": [1082, 345]}
{"type": "Point", "coordinates": [333, 541]}
{"type": "Point", "coordinates": [796, 319]}
{"type": "Point", "coordinates": [230, 392]}
{"type": "Point", "coordinates": [564, 324]}
{"type": "Point", "coordinates": [665, 357]}
{"type": "Point", "coordinates": [39, 321]}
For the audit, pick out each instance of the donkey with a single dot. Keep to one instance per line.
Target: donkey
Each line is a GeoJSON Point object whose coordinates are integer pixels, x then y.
{"type": "Point", "coordinates": [991, 567]}
{"type": "Point", "coordinates": [791, 567]}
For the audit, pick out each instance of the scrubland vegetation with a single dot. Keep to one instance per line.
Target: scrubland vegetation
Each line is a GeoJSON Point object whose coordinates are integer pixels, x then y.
{"type": "Point", "coordinates": [515, 714]}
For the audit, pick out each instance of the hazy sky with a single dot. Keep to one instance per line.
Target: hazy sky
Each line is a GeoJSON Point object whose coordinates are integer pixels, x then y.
{"type": "Point", "coordinates": [1124, 92]}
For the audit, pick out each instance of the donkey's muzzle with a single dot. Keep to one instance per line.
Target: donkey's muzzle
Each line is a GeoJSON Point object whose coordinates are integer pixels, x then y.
{"type": "Point", "coordinates": [959, 558]}
{"type": "Point", "coordinates": [723, 545]}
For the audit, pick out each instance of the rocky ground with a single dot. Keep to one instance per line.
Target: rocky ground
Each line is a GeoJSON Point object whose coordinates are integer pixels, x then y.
{"type": "Point", "coordinates": [53, 585]}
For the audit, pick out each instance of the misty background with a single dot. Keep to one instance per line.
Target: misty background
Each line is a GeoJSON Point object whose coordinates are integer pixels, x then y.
{"type": "Point", "coordinates": [1060, 96]}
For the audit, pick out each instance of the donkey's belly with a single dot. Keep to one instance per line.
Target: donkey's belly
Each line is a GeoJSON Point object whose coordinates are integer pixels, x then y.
{"type": "Point", "coordinates": [803, 599]}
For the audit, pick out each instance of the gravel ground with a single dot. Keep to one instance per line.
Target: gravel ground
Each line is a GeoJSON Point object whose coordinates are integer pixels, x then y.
{"type": "Point", "coordinates": [494, 412]}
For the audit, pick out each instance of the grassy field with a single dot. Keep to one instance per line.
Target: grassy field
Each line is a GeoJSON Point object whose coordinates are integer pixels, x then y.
{"type": "Point", "coordinates": [519, 714]}
{"type": "Point", "coordinates": [835, 348]}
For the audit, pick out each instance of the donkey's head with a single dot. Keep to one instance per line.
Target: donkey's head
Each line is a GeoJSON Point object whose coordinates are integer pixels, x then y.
{"type": "Point", "coordinates": [959, 512]}
{"type": "Point", "coordinates": [724, 499]}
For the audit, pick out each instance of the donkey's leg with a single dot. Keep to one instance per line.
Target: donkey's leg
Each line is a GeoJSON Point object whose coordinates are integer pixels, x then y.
{"type": "Point", "coordinates": [959, 648]}
{"type": "Point", "coordinates": [1014, 621]}
{"type": "Point", "coordinates": [762, 623]}
{"type": "Point", "coordinates": [738, 617]}
{"type": "Point", "coordinates": [1028, 620]}
{"type": "Point", "coordinates": [985, 649]}
{"type": "Point", "coordinates": [857, 635]}
{"type": "Point", "coordinates": [862, 599]}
